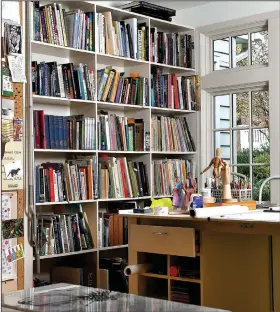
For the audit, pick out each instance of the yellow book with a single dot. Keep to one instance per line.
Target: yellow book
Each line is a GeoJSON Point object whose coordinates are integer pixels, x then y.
{"type": "Point", "coordinates": [143, 42]}
{"type": "Point", "coordinates": [115, 87]}
{"type": "Point", "coordinates": [108, 85]}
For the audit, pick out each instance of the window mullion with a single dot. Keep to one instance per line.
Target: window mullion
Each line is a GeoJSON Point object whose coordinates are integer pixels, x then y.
{"type": "Point", "coordinates": [249, 50]}
{"type": "Point", "coordinates": [250, 134]}
{"type": "Point", "coordinates": [230, 52]}
{"type": "Point", "coordinates": [230, 120]}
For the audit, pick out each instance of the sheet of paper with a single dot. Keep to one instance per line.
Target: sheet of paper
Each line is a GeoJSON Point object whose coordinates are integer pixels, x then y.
{"type": "Point", "coordinates": [8, 269]}
{"type": "Point", "coordinates": [16, 66]}
{"type": "Point", "coordinates": [7, 205]}
{"type": "Point", "coordinates": [10, 11]}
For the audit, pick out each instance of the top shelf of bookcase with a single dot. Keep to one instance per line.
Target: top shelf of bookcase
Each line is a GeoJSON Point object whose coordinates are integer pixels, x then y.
{"type": "Point", "coordinates": [154, 22]}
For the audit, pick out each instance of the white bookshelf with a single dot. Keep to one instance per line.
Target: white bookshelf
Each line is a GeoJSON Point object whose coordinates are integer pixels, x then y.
{"type": "Point", "coordinates": [40, 51]}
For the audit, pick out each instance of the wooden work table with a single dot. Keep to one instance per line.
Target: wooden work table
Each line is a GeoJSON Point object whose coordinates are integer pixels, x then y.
{"type": "Point", "coordinates": [239, 257]}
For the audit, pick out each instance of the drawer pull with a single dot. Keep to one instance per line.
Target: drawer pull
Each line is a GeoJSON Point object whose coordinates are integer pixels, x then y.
{"type": "Point", "coordinates": [160, 233]}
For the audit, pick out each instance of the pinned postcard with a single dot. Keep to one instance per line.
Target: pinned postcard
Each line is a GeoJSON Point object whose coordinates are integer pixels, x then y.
{"type": "Point", "coordinates": [14, 253]}
{"type": "Point", "coordinates": [9, 202]}
{"type": "Point", "coordinates": [12, 228]}
{"type": "Point", "coordinates": [13, 170]}
{"type": "Point", "coordinates": [16, 66]}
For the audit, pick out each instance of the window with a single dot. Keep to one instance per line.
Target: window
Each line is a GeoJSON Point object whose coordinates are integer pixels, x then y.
{"type": "Point", "coordinates": [241, 129]}
{"type": "Point", "coordinates": [241, 50]}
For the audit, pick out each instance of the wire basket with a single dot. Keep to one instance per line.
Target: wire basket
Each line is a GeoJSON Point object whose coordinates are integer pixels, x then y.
{"type": "Point", "coordinates": [240, 195]}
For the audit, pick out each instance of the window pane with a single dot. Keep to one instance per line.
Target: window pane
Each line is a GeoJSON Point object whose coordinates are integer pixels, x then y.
{"type": "Point", "coordinates": [240, 109]}
{"type": "Point", "coordinates": [260, 145]}
{"type": "Point", "coordinates": [260, 173]}
{"type": "Point", "coordinates": [222, 111]}
{"type": "Point", "coordinates": [259, 47]}
{"type": "Point", "coordinates": [240, 51]}
{"type": "Point", "coordinates": [260, 109]}
{"type": "Point", "coordinates": [221, 54]}
{"type": "Point", "coordinates": [240, 148]}
{"type": "Point", "coordinates": [222, 140]}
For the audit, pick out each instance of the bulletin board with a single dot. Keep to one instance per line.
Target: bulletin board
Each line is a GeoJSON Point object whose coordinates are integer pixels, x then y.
{"type": "Point", "coordinates": [13, 187]}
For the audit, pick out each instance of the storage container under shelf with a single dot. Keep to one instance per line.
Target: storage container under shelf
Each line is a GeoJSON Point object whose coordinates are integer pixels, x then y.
{"type": "Point", "coordinates": [163, 240]}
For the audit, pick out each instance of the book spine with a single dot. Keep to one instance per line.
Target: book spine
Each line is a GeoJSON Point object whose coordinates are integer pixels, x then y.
{"type": "Point", "coordinates": [37, 141]}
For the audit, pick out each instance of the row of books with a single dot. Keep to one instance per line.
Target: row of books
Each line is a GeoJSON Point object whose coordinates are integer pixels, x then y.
{"type": "Point", "coordinates": [121, 133]}
{"type": "Point", "coordinates": [64, 232]}
{"type": "Point", "coordinates": [170, 134]}
{"type": "Point", "coordinates": [119, 178]}
{"type": "Point", "coordinates": [126, 38]}
{"type": "Point", "coordinates": [52, 24]}
{"type": "Point", "coordinates": [74, 180]}
{"type": "Point", "coordinates": [113, 87]}
{"type": "Point", "coordinates": [165, 172]}
{"type": "Point", "coordinates": [64, 80]}
{"type": "Point", "coordinates": [64, 132]}
{"type": "Point", "coordinates": [176, 92]}
{"type": "Point", "coordinates": [171, 48]}
{"type": "Point", "coordinates": [112, 230]}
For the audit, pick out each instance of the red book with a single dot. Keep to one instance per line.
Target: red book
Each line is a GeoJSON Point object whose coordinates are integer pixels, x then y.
{"type": "Point", "coordinates": [176, 93]}
{"type": "Point", "coordinates": [89, 182]}
{"type": "Point", "coordinates": [71, 90]}
{"type": "Point", "coordinates": [36, 129]}
{"type": "Point", "coordinates": [42, 131]}
{"type": "Point", "coordinates": [125, 185]}
{"type": "Point", "coordinates": [51, 178]}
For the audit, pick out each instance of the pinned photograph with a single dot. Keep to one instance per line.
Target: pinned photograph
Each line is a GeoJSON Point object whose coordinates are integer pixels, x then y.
{"type": "Point", "coordinates": [12, 228]}
{"type": "Point", "coordinates": [14, 253]}
{"type": "Point", "coordinates": [18, 130]}
{"type": "Point", "coordinates": [13, 170]}
{"type": "Point", "coordinates": [12, 37]}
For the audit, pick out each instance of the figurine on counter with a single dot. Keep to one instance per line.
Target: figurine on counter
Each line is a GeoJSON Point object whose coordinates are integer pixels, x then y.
{"type": "Point", "coordinates": [190, 187]}
{"type": "Point", "coordinates": [216, 162]}
{"type": "Point", "coordinates": [178, 194]}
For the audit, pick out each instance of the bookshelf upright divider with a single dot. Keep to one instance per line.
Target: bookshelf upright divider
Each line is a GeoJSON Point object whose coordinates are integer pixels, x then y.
{"type": "Point", "coordinates": [94, 108]}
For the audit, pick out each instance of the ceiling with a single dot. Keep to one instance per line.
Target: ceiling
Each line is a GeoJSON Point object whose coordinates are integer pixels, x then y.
{"type": "Point", "coordinates": [176, 5]}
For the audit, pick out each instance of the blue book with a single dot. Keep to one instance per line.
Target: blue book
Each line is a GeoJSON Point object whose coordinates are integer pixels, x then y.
{"type": "Point", "coordinates": [95, 176]}
{"type": "Point", "coordinates": [82, 91]}
{"type": "Point", "coordinates": [60, 132]}
{"type": "Point", "coordinates": [153, 104]}
{"type": "Point", "coordinates": [37, 185]}
{"type": "Point", "coordinates": [47, 132]}
{"type": "Point", "coordinates": [51, 129]}
{"type": "Point", "coordinates": [56, 131]}
{"type": "Point", "coordinates": [65, 132]}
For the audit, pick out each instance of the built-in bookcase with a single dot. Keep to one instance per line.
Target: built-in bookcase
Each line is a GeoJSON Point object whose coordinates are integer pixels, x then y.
{"type": "Point", "coordinates": [46, 52]}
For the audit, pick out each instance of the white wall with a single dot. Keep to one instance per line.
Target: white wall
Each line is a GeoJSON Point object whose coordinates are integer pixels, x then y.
{"type": "Point", "coordinates": [221, 11]}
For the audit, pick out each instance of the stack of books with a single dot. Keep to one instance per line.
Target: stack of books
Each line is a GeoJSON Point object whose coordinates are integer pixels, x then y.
{"type": "Point", "coordinates": [113, 87]}
{"type": "Point", "coordinates": [112, 230]}
{"type": "Point", "coordinates": [165, 171]}
{"type": "Point", "coordinates": [74, 180]}
{"type": "Point", "coordinates": [170, 134]}
{"type": "Point", "coordinates": [52, 24]}
{"type": "Point", "coordinates": [63, 233]}
{"type": "Point", "coordinates": [64, 80]}
{"type": "Point", "coordinates": [119, 178]}
{"type": "Point", "coordinates": [121, 133]}
{"type": "Point", "coordinates": [175, 92]}
{"type": "Point", "coordinates": [64, 132]}
{"type": "Point", "coordinates": [171, 48]}
{"type": "Point", "coordinates": [126, 38]}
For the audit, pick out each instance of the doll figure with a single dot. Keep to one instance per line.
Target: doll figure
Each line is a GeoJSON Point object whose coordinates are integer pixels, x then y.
{"type": "Point", "coordinates": [190, 187]}
{"type": "Point", "coordinates": [178, 194]}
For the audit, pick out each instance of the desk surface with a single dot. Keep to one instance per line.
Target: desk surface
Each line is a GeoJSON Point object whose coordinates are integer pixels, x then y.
{"type": "Point", "coordinates": [63, 297]}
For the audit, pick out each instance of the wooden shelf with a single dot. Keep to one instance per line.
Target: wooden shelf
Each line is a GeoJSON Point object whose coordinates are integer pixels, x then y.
{"type": "Point", "coordinates": [40, 150]}
{"type": "Point", "coordinates": [117, 106]}
{"type": "Point", "coordinates": [185, 279]}
{"type": "Point", "coordinates": [175, 68]}
{"type": "Point", "coordinates": [173, 153]}
{"type": "Point", "coordinates": [67, 202]}
{"type": "Point", "coordinates": [67, 254]}
{"type": "Point", "coordinates": [173, 111]}
{"type": "Point", "coordinates": [123, 152]}
{"type": "Point", "coordinates": [58, 100]}
{"type": "Point", "coordinates": [123, 199]}
{"type": "Point", "coordinates": [153, 275]}
{"type": "Point", "coordinates": [112, 247]}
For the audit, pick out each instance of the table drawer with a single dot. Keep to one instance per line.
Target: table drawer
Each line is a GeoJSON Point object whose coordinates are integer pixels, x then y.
{"type": "Point", "coordinates": [162, 240]}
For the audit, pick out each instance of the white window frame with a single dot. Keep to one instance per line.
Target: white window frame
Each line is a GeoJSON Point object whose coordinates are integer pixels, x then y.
{"type": "Point", "coordinates": [240, 79]}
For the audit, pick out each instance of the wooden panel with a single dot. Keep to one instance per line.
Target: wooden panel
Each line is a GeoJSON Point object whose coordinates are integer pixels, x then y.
{"type": "Point", "coordinates": [163, 240]}
{"type": "Point", "coordinates": [132, 258]}
{"type": "Point", "coordinates": [103, 279]}
{"type": "Point", "coordinates": [251, 204]}
{"type": "Point", "coordinates": [276, 271]}
{"type": "Point", "coordinates": [236, 272]}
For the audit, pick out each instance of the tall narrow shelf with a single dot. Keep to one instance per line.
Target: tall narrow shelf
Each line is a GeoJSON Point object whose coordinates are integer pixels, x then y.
{"type": "Point", "coordinates": [41, 51]}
